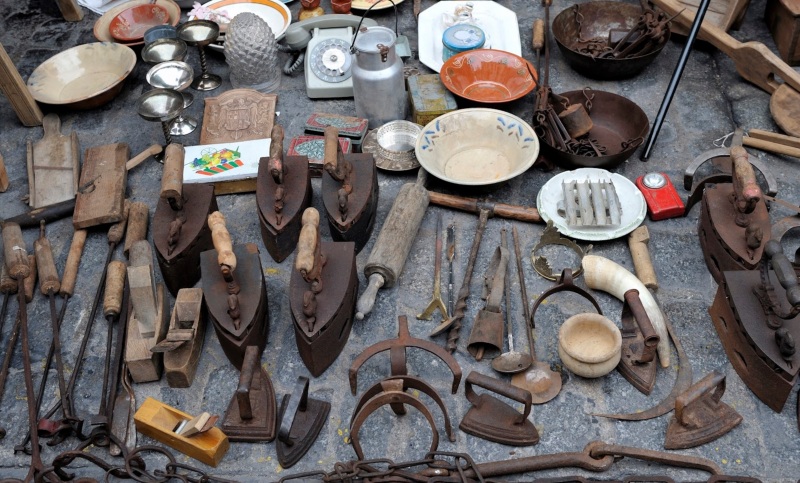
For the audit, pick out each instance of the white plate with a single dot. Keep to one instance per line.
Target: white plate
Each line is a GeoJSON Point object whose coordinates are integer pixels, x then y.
{"type": "Point", "coordinates": [274, 12]}
{"type": "Point", "coordinates": [498, 23]}
{"type": "Point", "coordinates": [631, 200]}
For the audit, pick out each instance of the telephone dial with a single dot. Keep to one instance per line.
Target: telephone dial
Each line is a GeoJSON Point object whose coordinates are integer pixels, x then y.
{"type": "Point", "coordinates": [328, 62]}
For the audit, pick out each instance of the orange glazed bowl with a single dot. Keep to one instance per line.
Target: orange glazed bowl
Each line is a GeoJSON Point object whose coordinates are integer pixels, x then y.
{"type": "Point", "coordinates": [488, 76]}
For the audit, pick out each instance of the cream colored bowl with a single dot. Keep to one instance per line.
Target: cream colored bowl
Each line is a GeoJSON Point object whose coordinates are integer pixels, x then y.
{"type": "Point", "coordinates": [83, 77]}
{"type": "Point", "coordinates": [590, 345]}
{"type": "Point", "coordinates": [477, 147]}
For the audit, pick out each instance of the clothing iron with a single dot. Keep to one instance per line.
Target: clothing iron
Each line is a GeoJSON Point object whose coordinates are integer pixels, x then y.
{"type": "Point", "coordinates": [251, 412]}
{"type": "Point", "coordinates": [302, 418]}
{"type": "Point", "coordinates": [639, 341]}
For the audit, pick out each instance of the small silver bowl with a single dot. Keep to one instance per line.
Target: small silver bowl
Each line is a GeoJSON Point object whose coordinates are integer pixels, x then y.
{"type": "Point", "coordinates": [164, 50]}
{"type": "Point", "coordinates": [393, 145]}
{"type": "Point", "coordinates": [160, 32]}
{"type": "Point", "coordinates": [175, 75]}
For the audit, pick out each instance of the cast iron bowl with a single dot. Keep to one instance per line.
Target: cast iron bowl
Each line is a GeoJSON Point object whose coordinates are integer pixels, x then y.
{"type": "Point", "coordinates": [616, 120]}
{"type": "Point", "coordinates": [598, 19]}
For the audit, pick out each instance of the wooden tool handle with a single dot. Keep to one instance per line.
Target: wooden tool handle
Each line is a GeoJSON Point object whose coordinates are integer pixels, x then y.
{"type": "Point", "coordinates": [117, 230]}
{"type": "Point", "coordinates": [513, 212]}
{"type": "Point", "coordinates": [774, 137]}
{"type": "Point", "coordinates": [7, 284]}
{"type": "Point", "coordinates": [137, 224]}
{"type": "Point", "coordinates": [538, 34]}
{"type": "Point", "coordinates": [172, 176]}
{"type": "Point", "coordinates": [744, 178]}
{"type": "Point", "coordinates": [29, 284]}
{"type": "Point", "coordinates": [222, 240]}
{"type": "Point", "coordinates": [73, 263]}
{"type": "Point", "coordinates": [772, 147]}
{"type": "Point", "coordinates": [332, 148]}
{"type": "Point", "coordinates": [115, 284]}
{"type": "Point", "coordinates": [48, 213]}
{"type": "Point", "coordinates": [708, 31]}
{"type": "Point", "coordinates": [367, 299]}
{"type": "Point", "coordinates": [642, 263]}
{"type": "Point", "coordinates": [715, 381]}
{"type": "Point", "coordinates": [307, 244]}
{"type": "Point", "coordinates": [520, 213]}
{"type": "Point", "coordinates": [51, 124]}
{"type": "Point", "coordinates": [46, 265]}
{"type": "Point", "coordinates": [15, 252]}
{"type": "Point", "coordinates": [141, 157]}
{"type": "Point", "coordinates": [276, 154]}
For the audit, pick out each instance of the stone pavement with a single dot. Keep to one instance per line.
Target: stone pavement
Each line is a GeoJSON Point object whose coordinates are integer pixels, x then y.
{"type": "Point", "coordinates": [711, 101]}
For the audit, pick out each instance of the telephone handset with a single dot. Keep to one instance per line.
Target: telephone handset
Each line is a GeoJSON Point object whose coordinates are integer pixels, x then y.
{"type": "Point", "coordinates": [328, 62]}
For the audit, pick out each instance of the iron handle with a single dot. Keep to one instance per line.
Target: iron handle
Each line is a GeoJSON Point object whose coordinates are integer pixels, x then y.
{"type": "Point", "coordinates": [748, 193]}
{"type": "Point", "coordinates": [222, 242]}
{"type": "Point", "coordinates": [714, 381]}
{"type": "Point", "coordinates": [298, 401]}
{"type": "Point", "coordinates": [308, 261]}
{"type": "Point", "coordinates": [498, 387]}
{"type": "Point", "coordinates": [276, 154]}
{"type": "Point", "coordinates": [249, 366]}
{"type": "Point", "coordinates": [784, 271]}
{"type": "Point", "coordinates": [633, 307]}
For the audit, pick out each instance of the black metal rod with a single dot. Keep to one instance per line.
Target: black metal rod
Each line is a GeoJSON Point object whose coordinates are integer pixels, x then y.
{"type": "Point", "coordinates": [676, 78]}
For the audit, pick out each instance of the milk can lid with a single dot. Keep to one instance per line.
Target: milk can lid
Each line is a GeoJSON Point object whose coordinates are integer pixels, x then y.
{"type": "Point", "coordinates": [368, 41]}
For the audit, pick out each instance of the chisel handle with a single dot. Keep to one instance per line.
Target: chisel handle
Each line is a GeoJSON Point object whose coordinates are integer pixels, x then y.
{"type": "Point", "coordinates": [115, 284]}
{"type": "Point", "coordinates": [73, 263]}
{"type": "Point", "coordinates": [29, 285]}
{"type": "Point", "coordinates": [15, 252]}
{"type": "Point", "coordinates": [46, 265]}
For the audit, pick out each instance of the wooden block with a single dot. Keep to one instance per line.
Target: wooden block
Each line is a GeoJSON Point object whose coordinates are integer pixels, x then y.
{"type": "Point", "coordinates": [783, 20]}
{"type": "Point", "coordinates": [196, 425]}
{"type": "Point", "coordinates": [188, 322]}
{"type": "Point", "coordinates": [157, 420]}
{"type": "Point", "coordinates": [15, 90]}
{"type": "Point", "coordinates": [725, 14]}
{"type": "Point", "coordinates": [70, 10]}
{"type": "Point", "coordinates": [3, 175]}
{"type": "Point", "coordinates": [238, 115]}
{"type": "Point", "coordinates": [143, 364]}
{"type": "Point", "coordinates": [429, 98]}
{"type": "Point", "coordinates": [53, 165]}
{"type": "Point", "coordinates": [101, 190]}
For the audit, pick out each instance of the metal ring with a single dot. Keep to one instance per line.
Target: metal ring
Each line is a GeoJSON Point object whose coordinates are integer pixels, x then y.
{"type": "Point", "coordinates": [135, 473]}
{"type": "Point", "coordinates": [551, 236]}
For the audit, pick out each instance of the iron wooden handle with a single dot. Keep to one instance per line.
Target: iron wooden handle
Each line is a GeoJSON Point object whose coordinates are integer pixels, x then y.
{"type": "Point", "coordinates": [784, 271]}
{"type": "Point", "coordinates": [137, 224]}
{"type": "Point", "coordinates": [714, 381]}
{"type": "Point", "coordinates": [117, 230]}
{"type": "Point", "coordinates": [222, 240]}
{"type": "Point", "coordinates": [498, 387]}
{"type": "Point", "coordinates": [115, 285]}
{"type": "Point", "coordinates": [307, 248]}
{"type": "Point", "coordinates": [538, 34]}
{"type": "Point", "coordinates": [7, 284]}
{"type": "Point", "coordinates": [744, 180]}
{"type": "Point", "coordinates": [45, 265]}
{"type": "Point", "coordinates": [332, 149]}
{"type": "Point", "coordinates": [634, 307]}
{"type": "Point", "coordinates": [172, 176]}
{"type": "Point", "coordinates": [73, 263]}
{"type": "Point", "coordinates": [29, 284]}
{"type": "Point", "coordinates": [15, 252]}
{"type": "Point", "coordinates": [276, 154]}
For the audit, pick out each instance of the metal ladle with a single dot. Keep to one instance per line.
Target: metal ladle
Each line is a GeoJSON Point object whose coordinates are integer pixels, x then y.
{"type": "Point", "coordinates": [510, 362]}
{"type": "Point", "coordinates": [542, 382]}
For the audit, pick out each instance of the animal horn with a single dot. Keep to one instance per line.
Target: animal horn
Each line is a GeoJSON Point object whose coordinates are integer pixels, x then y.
{"type": "Point", "coordinates": [603, 274]}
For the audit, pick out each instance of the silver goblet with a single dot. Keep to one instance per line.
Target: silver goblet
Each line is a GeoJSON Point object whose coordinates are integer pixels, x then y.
{"type": "Point", "coordinates": [175, 75]}
{"type": "Point", "coordinates": [201, 33]}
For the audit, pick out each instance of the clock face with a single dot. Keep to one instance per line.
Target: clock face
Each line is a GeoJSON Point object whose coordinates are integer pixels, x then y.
{"type": "Point", "coordinates": [331, 60]}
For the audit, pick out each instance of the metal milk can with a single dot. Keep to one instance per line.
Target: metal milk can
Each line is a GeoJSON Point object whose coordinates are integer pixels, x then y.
{"type": "Point", "coordinates": [378, 83]}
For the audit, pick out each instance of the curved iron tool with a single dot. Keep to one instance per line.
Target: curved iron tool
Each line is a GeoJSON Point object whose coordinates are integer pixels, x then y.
{"type": "Point", "coordinates": [551, 236]}
{"type": "Point", "coordinates": [599, 449]}
{"type": "Point", "coordinates": [564, 284]}
{"type": "Point", "coordinates": [397, 355]}
{"type": "Point", "coordinates": [682, 383]}
{"type": "Point", "coordinates": [689, 172]}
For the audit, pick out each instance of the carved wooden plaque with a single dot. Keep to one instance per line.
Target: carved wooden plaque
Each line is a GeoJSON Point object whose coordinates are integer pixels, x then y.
{"type": "Point", "coordinates": [238, 115]}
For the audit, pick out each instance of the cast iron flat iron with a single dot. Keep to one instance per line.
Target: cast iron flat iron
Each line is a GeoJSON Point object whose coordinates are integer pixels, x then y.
{"type": "Point", "coordinates": [700, 415]}
{"type": "Point", "coordinates": [734, 222]}
{"type": "Point", "coordinates": [639, 342]}
{"type": "Point", "coordinates": [322, 293]}
{"type": "Point", "coordinates": [283, 192]}
{"type": "Point", "coordinates": [252, 410]}
{"type": "Point", "coordinates": [180, 224]}
{"type": "Point", "coordinates": [349, 192]}
{"type": "Point", "coordinates": [237, 302]}
{"type": "Point", "coordinates": [492, 419]}
{"type": "Point", "coordinates": [758, 328]}
{"type": "Point", "coordinates": [302, 418]}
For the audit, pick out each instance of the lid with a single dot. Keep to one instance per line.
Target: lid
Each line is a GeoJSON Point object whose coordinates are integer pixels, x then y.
{"type": "Point", "coordinates": [459, 38]}
{"type": "Point", "coordinates": [368, 41]}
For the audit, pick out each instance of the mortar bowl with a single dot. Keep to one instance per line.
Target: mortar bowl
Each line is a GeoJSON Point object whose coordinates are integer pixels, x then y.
{"type": "Point", "coordinates": [589, 345]}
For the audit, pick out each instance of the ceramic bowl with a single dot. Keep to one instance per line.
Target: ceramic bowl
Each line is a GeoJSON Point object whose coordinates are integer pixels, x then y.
{"type": "Point", "coordinates": [488, 76]}
{"type": "Point", "coordinates": [590, 345]}
{"type": "Point", "coordinates": [83, 77]}
{"type": "Point", "coordinates": [160, 32]}
{"type": "Point", "coordinates": [131, 24]}
{"type": "Point", "coordinates": [477, 147]}
{"type": "Point", "coordinates": [102, 26]}
{"type": "Point", "coordinates": [598, 19]}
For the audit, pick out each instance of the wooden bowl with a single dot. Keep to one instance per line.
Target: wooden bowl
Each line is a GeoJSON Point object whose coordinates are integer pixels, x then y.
{"type": "Point", "coordinates": [102, 26]}
{"type": "Point", "coordinates": [488, 76]}
{"type": "Point", "coordinates": [477, 147]}
{"type": "Point", "coordinates": [83, 77]}
{"type": "Point", "coordinates": [590, 345]}
{"type": "Point", "coordinates": [131, 24]}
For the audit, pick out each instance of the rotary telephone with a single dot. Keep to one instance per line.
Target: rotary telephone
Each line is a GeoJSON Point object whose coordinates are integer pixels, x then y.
{"type": "Point", "coordinates": [328, 62]}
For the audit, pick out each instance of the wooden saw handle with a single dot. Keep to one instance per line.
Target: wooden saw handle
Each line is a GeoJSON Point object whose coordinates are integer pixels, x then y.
{"type": "Point", "coordinates": [15, 252]}
{"type": "Point", "coordinates": [222, 241]}
{"type": "Point", "coordinates": [115, 284]}
{"type": "Point", "coordinates": [73, 263]}
{"type": "Point", "coordinates": [46, 265]}
{"type": "Point", "coordinates": [307, 243]}
{"type": "Point", "coordinates": [172, 176]}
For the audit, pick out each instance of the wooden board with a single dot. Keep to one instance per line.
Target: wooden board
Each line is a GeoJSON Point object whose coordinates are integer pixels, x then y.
{"type": "Point", "coordinates": [784, 105]}
{"type": "Point", "coordinates": [725, 14]}
{"type": "Point", "coordinates": [70, 10]}
{"type": "Point", "coordinates": [238, 115]}
{"type": "Point", "coordinates": [3, 175]}
{"type": "Point", "coordinates": [53, 165]}
{"type": "Point", "coordinates": [101, 190]}
{"type": "Point", "coordinates": [15, 90]}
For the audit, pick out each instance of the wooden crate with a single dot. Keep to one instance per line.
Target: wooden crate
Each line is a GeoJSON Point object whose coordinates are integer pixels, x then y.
{"type": "Point", "coordinates": [725, 14]}
{"type": "Point", "coordinates": [783, 20]}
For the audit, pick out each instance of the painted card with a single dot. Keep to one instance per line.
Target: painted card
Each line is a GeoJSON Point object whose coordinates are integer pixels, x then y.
{"type": "Point", "coordinates": [215, 163]}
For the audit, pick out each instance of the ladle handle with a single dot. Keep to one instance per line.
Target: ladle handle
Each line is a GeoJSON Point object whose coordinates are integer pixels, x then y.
{"type": "Point", "coordinates": [222, 241]}
{"type": "Point", "coordinates": [498, 387]}
{"type": "Point", "coordinates": [714, 381]}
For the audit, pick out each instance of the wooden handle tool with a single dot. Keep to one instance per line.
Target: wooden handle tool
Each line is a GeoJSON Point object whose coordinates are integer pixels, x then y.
{"type": "Point", "coordinates": [276, 168]}
{"type": "Point", "coordinates": [117, 230]}
{"type": "Point", "coordinates": [16, 255]}
{"type": "Point", "coordinates": [49, 283]}
{"type": "Point", "coordinates": [141, 157]}
{"type": "Point", "coordinates": [29, 285]}
{"type": "Point", "coordinates": [308, 244]}
{"type": "Point", "coordinates": [7, 284]}
{"type": "Point", "coordinates": [73, 263]}
{"type": "Point", "coordinates": [642, 263]}
{"type": "Point", "coordinates": [472, 205]}
{"type": "Point", "coordinates": [744, 180]}
{"type": "Point", "coordinates": [773, 142]}
{"type": "Point", "coordinates": [172, 176]}
{"type": "Point", "coordinates": [115, 285]}
{"type": "Point", "coordinates": [222, 241]}
{"type": "Point", "coordinates": [332, 149]}
{"type": "Point", "coordinates": [137, 224]}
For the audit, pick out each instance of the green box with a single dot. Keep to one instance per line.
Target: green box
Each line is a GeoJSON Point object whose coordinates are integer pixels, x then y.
{"type": "Point", "coordinates": [429, 98]}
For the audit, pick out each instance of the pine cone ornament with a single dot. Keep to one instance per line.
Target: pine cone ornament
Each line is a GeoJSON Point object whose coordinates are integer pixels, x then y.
{"type": "Point", "coordinates": [251, 51]}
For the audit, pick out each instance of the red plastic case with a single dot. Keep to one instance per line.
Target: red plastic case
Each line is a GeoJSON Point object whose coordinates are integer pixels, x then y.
{"type": "Point", "coordinates": [662, 202]}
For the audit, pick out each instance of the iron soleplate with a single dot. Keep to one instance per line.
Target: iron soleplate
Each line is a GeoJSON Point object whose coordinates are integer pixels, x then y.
{"type": "Point", "coordinates": [305, 429]}
{"type": "Point", "coordinates": [363, 202]}
{"type": "Point", "coordinates": [477, 424]}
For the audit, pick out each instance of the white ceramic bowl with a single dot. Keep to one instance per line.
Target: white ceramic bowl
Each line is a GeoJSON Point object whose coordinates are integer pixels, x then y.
{"type": "Point", "coordinates": [477, 147]}
{"type": "Point", "coordinates": [82, 77]}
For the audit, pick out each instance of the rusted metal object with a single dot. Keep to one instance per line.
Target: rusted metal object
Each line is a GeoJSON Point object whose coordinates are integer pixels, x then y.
{"type": "Point", "coordinates": [781, 228]}
{"type": "Point", "coordinates": [322, 294]}
{"type": "Point", "coordinates": [436, 302]}
{"type": "Point", "coordinates": [397, 355]}
{"type": "Point", "coordinates": [349, 192]}
{"type": "Point", "coordinates": [301, 419]}
{"type": "Point", "coordinates": [236, 301]}
{"type": "Point", "coordinates": [756, 330]}
{"type": "Point", "coordinates": [494, 420]}
{"type": "Point", "coordinates": [283, 192]}
{"type": "Point", "coordinates": [700, 415]}
{"type": "Point", "coordinates": [392, 391]}
{"type": "Point", "coordinates": [251, 413]}
{"type": "Point", "coordinates": [551, 236]}
{"type": "Point", "coordinates": [639, 342]}
{"type": "Point", "coordinates": [486, 337]}
{"type": "Point", "coordinates": [180, 223]}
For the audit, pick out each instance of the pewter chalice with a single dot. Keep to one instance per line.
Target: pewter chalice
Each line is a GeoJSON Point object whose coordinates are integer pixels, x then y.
{"type": "Point", "coordinates": [175, 75]}
{"type": "Point", "coordinates": [162, 105]}
{"type": "Point", "coordinates": [201, 33]}
{"type": "Point", "coordinates": [164, 50]}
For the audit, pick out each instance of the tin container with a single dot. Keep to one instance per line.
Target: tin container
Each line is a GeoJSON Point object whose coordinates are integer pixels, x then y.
{"type": "Point", "coordinates": [429, 98]}
{"type": "Point", "coordinates": [378, 81]}
{"type": "Point", "coordinates": [461, 38]}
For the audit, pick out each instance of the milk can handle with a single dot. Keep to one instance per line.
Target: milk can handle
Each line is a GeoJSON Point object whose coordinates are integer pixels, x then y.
{"type": "Point", "coordinates": [358, 29]}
